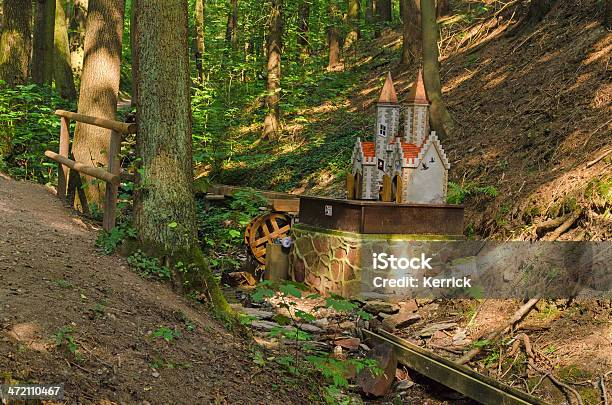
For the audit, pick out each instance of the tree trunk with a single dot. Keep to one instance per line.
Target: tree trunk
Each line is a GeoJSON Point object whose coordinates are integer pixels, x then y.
{"type": "Point", "coordinates": [608, 15]}
{"type": "Point", "coordinates": [62, 71]}
{"type": "Point", "coordinates": [370, 11]}
{"type": "Point", "coordinates": [134, 50]}
{"type": "Point", "coordinates": [353, 14]}
{"type": "Point", "coordinates": [231, 35]}
{"type": "Point", "coordinates": [442, 8]}
{"type": "Point", "coordinates": [199, 53]}
{"type": "Point", "coordinates": [440, 118]}
{"type": "Point", "coordinates": [333, 39]}
{"type": "Point", "coordinates": [42, 54]}
{"type": "Point", "coordinates": [303, 28]}
{"type": "Point", "coordinates": [78, 20]}
{"type": "Point", "coordinates": [538, 9]}
{"type": "Point", "coordinates": [411, 31]}
{"type": "Point", "coordinates": [384, 9]}
{"type": "Point", "coordinates": [164, 205]}
{"type": "Point", "coordinates": [271, 123]}
{"type": "Point", "coordinates": [15, 41]}
{"type": "Point", "coordinates": [99, 86]}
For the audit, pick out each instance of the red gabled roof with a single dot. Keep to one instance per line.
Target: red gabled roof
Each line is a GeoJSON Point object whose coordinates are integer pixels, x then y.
{"type": "Point", "coordinates": [410, 150]}
{"type": "Point", "coordinates": [369, 149]}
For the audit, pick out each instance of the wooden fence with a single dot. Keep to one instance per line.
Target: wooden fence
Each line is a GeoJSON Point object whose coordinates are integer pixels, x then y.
{"type": "Point", "coordinates": [69, 182]}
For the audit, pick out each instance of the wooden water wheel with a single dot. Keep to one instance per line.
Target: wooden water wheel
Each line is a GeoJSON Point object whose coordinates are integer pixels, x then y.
{"type": "Point", "coordinates": [265, 229]}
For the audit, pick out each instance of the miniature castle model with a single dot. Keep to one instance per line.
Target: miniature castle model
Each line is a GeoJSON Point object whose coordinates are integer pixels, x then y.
{"type": "Point", "coordinates": [408, 168]}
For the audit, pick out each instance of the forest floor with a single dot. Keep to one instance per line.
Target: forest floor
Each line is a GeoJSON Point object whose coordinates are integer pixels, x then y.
{"type": "Point", "coordinates": [69, 314]}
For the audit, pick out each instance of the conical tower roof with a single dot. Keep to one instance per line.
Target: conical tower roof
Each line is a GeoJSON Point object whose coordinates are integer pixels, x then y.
{"type": "Point", "coordinates": [417, 94]}
{"type": "Point", "coordinates": [388, 94]}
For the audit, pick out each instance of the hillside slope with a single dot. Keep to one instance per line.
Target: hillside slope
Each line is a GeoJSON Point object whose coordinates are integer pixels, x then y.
{"type": "Point", "coordinates": [530, 111]}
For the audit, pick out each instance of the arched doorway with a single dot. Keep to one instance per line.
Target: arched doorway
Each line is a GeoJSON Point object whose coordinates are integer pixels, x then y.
{"type": "Point", "coordinates": [396, 189]}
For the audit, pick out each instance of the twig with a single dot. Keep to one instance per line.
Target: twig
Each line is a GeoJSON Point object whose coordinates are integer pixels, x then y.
{"type": "Point", "coordinates": [564, 387]}
{"type": "Point", "coordinates": [588, 138]}
{"type": "Point", "coordinates": [518, 315]}
{"type": "Point", "coordinates": [602, 386]}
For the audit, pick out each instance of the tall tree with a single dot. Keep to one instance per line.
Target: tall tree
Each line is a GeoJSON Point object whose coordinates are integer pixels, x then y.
{"type": "Point", "coordinates": [200, 46]}
{"type": "Point", "coordinates": [78, 20]}
{"type": "Point", "coordinates": [608, 15]}
{"type": "Point", "coordinates": [353, 15]}
{"type": "Point", "coordinates": [134, 52]}
{"type": "Point", "coordinates": [384, 10]}
{"type": "Point", "coordinates": [272, 121]}
{"type": "Point", "coordinates": [99, 86]}
{"type": "Point", "coordinates": [304, 28]}
{"type": "Point", "coordinates": [62, 70]}
{"type": "Point", "coordinates": [15, 41]}
{"type": "Point", "coordinates": [231, 32]}
{"type": "Point", "coordinates": [442, 8]}
{"type": "Point", "coordinates": [42, 55]}
{"type": "Point", "coordinates": [411, 30]}
{"type": "Point", "coordinates": [333, 36]}
{"type": "Point", "coordinates": [370, 11]}
{"type": "Point", "coordinates": [440, 118]}
{"type": "Point", "coordinates": [164, 206]}
{"type": "Point", "coordinates": [538, 9]}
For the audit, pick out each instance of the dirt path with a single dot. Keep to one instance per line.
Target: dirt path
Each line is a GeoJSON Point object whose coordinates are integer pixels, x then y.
{"type": "Point", "coordinates": [52, 279]}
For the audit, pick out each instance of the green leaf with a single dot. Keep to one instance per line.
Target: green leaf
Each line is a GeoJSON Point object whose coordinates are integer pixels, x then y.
{"type": "Point", "coordinates": [172, 225]}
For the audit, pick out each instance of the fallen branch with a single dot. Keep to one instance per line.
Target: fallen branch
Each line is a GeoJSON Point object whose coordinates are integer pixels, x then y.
{"type": "Point", "coordinates": [517, 317]}
{"type": "Point", "coordinates": [602, 386]}
{"type": "Point", "coordinates": [564, 226]}
{"type": "Point", "coordinates": [544, 227]}
{"type": "Point", "coordinates": [562, 386]}
{"type": "Point", "coordinates": [598, 158]}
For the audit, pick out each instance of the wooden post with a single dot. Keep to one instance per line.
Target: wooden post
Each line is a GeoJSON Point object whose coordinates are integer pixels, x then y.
{"type": "Point", "coordinates": [386, 189]}
{"type": "Point", "coordinates": [399, 188]}
{"type": "Point", "coordinates": [112, 190]}
{"type": "Point", "coordinates": [64, 143]}
{"type": "Point", "coordinates": [350, 186]}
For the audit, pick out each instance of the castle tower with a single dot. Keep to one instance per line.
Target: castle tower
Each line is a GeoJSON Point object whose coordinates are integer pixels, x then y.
{"type": "Point", "coordinates": [387, 118]}
{"type": "Point", "coordinates": [417, 112]}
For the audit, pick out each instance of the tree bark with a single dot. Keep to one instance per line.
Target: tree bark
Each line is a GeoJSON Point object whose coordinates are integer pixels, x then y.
{"type": "Point", "coordinates": [411, 31]}
{"type": "Point", "coordinates": [99, 86]}
{"type": "Point", "coordinates": [272, 120]}
{"type": "Point", "coordinates": [303, 28]}
{"type": "Point", "coordinates": [538, 9]}
{"type": "Point", "coordinates": [333, 40]}
{"type": "Point", "coordinates": [442, 8]}
{"type": "Point", "coordinates": [608, 15]}
{"type": "Point", "coordinates": [62, 71]}
{"type": "Point", "coordinates": [200, 45]}
{"type": "Point", "coordinates": [134, 50]}
{"type": "Point", "coordinates": [384, 9]}
{"type": "Point", "coordinates": [78, 20]}
{"type": "Point", "coordinates": [353, 15]}
{"type": "Point", "coordinates": [42, 54]}
{"type": "Point", "coordinates": [15, 41]}
{"type": "Point", "coordinates": [164, 205]}
{"type": "Point", "coordinates": [440, 118]}
{"type": "Point", "coordinates": [231, 35]}
{"type": "Point", "coordinates": [370, 11]}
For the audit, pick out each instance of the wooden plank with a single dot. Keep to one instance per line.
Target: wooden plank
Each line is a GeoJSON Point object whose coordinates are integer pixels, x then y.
{"type": "Point", "coordinates": [112, 189]}
{"type": "Point", "coordinates": [97, 172]}
{"type": "Point", "coordinates": [229, 191]}
{"type": "Point", "coordinates": [350, 186]}
{"type": "Point", "coordinates": [214, 197]}
{"type": "Point", "coordinates": [459, 378]}
{"type": "Point", "coordinates": [286, 204]}
{"type": "Point", "coordinates": [386, 188]}
{"type": "Point", "coordinates": [121, 127]}
{"type": "Point", "coordinates": [64, 144]}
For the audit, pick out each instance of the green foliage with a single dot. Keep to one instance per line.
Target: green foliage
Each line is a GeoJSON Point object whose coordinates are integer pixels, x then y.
{"type": "Point", "coordinates": [165, 333]}
{"type": "Point", "coordinates": [148, 267]}
{"type": "Point", "coordinates": [64, 338]}
{"type": "Point", "coordinates": [28, 127]}
{"type": "Point", "coordinates": [109, 241]}
{"type": "Point", "coordinates": [458, 193]}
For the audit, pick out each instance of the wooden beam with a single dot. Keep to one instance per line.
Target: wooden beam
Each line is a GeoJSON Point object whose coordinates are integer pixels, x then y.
{"type": "Point", "coordinates": [112, 189]}
{"type": "Point", "coordinates": [457, 377]}
{"type": "Point", "coordinates": [286, 204]}
{"type": "Point", "coordinates": [64, 144]}
{"type": "Point", "coordinates": [121, 127]}
{"type": "Point", "coordinates": [97, 172]}
{"type": "Point", "coordinates": [350, 186]}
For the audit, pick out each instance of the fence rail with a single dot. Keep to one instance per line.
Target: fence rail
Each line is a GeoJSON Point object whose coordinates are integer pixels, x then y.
{"type": "Point", "coordinates": [66, 186]}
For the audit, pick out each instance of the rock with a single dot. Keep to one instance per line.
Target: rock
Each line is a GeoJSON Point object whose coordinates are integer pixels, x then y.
{"type": "Point", "coordinates": [321, 323]}
{"type": "Point", "coordinates": [255, 312]}
{"type": "Point", "coordinates": [155, 374]}
{"type": "Point", "coordinates": [409, 306]}
{"type": "Point", "coordinates": [351, 343]}
{"type": "Point", "coordinates": [374, 307]}
{"type": "Point", "coordinates": [404, 385]}
{"type": "Point", "coordinates": [365, 347]}
{"type": "Point", "coordinates": [434, 327]}
{"type": "Point", "coordinates": [265, 325]}
{"type": "Point", "coordinates": [379, 385]}
{"type": "Point", "coordinates": [310, 328]}
{"type": "Point", "coordinates": [399, 321]}
{"type": "Point", "coordinates": [347, 325]}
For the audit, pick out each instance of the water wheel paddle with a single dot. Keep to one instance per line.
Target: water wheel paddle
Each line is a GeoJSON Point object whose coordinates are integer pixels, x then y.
{"type": "Point", "coordinates": [265, 229]}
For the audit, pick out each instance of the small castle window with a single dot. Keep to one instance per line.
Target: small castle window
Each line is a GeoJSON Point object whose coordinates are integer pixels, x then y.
{"type": "Point", "coordinates": [383, 130]}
